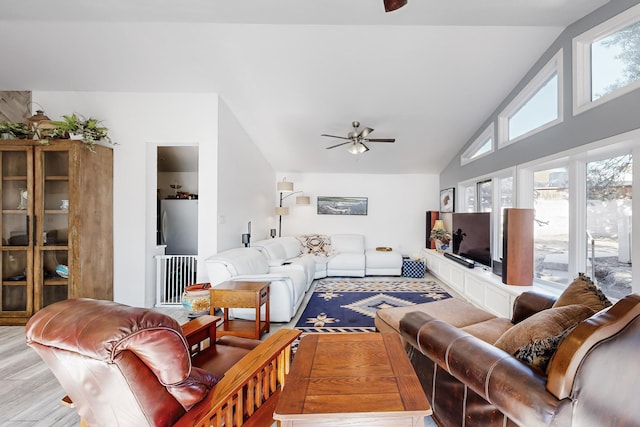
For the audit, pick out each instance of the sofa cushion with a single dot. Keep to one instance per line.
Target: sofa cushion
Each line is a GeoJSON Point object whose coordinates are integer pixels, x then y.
{"type": "Point", "coordinates": [348, 243]}
{"type": "Point", "coordinates": [454, 311]}
{"type": "Point", "coordinates": [273, 250]}
{"type": "Point", "coordinates": [489, 330]}
{"type": "Point", "coordinates": [240, 261]}
{"type": "Point", "coordinates": [541, 327]}
{"type": "Point", "coordinates": [583, 291]}
{"type": "Point", "coordinates": [316, 244]}
{"type": "Point", "coordinates": [291, 247]}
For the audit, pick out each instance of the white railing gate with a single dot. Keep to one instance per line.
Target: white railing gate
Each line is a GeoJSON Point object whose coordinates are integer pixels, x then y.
{"type": "Point", "coordinates": [173, 274]}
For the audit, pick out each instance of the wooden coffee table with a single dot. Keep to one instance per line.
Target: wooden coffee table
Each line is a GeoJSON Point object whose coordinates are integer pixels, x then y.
{"type": "Point", "coordinates": [351, 379]}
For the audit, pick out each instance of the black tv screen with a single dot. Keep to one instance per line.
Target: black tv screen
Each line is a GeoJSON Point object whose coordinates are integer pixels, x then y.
{"type": "Point", "coordinates": [471, 236]}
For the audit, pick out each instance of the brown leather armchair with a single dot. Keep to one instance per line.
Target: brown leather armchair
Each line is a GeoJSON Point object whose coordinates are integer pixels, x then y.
{"type": "Point", "coordinates": [130, 366]}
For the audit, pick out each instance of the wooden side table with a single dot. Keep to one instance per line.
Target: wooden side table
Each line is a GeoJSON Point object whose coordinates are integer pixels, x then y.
{"type": "Point", "coordinates": [241, 295]}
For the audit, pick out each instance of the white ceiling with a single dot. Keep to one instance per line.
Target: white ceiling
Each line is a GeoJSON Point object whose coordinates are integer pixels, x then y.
{"type": "Point", "coordinates": [428, 74]}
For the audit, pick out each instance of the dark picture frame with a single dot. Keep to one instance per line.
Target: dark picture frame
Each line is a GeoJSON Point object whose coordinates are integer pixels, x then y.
{"type": "Point", "coordinates": [447, 200]}
{"type": "Point", "coordinates": [342, 205]}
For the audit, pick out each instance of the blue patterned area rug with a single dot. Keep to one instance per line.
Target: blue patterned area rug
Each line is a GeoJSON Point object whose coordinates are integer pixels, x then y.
{"type": "Point", "coordinates": [350, 305]}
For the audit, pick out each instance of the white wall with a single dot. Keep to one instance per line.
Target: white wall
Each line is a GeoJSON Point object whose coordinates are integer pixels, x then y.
{"type": "Point", "coordinates": [246, 185]}
{"type": "Point", "coordinates": [139, 122]}
{"type": "Point", "coordinates": [396, 213]}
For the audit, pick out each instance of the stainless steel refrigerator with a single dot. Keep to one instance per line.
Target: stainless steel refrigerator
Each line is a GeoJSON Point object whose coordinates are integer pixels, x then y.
{"type": "Point", "coordinates": [179, 226]}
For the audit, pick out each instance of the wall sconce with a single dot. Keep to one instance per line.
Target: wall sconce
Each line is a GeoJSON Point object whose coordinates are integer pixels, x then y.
{"type": "Point", "coordinates": [285, 186]}
{"type": "Point", "coordinates": [246, 237]}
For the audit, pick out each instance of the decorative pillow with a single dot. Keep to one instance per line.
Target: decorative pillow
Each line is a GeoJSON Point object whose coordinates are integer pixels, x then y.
{"type": "Point", "coordinates": [543, 325]}
{"type": "Point", "coordinates": [583, 291]}
{"type": "Point", "coordinates": [316, 244]}
{"type": "Point", "coordinates": [539, 352]}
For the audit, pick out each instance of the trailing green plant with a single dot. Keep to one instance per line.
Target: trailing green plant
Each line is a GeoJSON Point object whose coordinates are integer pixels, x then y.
{"type": "Point", "coordinates": [77, 126]}
{"type": "Point", "coordinates": [16, 130]}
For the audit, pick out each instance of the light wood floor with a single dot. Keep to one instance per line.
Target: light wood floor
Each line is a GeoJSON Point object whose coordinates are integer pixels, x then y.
{"type": "Point", "coordinates": [30, 394]}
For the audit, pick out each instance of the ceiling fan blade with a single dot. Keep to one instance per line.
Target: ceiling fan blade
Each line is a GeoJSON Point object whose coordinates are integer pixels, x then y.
{"type": "Point", "coordinates": [335, 136]}
{"type": "Point", "coordinates": [364, 132]}
{"type": "Point", "coordinates": [366, 148]}
{"type": "Point", "coordinates": [391, 5]}
{"type": "Point", "coordinates": [380, 140]}
{"type": "Point", "coordinates": [338, 145]}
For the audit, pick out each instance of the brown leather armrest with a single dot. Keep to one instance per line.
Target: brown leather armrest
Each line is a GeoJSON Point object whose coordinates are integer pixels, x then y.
{"type": "Point", "coordinates": [512, 386]}
{"type": "Point", "coordinates": [530, 303]}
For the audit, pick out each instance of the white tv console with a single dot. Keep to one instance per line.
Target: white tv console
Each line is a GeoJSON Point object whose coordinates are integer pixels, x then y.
{"type": "Point", "coordinates": [478, 285]}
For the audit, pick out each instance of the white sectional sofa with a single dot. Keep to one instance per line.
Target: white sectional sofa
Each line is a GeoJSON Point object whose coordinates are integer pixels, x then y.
{"type": "Point", "coordinates": [288, 285]}
{"type": "Point", "coordinates": [287, 251]}
{"type": "Point", "coordinates": [292, 263]}
{"type": "Point", "coordinates": [349, 260]}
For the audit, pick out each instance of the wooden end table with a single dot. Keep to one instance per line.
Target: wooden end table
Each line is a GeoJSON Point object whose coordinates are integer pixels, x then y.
{"type": "Point", "coordinates": [241, 295]}
{"type": "Point", "coordinates": [351, 379]}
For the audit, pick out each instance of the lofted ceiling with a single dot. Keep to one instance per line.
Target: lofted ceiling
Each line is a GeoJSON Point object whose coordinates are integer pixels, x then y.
{"type": "Point", "coordinates": [428, 74]}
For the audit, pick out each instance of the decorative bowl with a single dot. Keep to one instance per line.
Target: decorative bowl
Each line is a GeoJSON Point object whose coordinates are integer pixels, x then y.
{"type": "Point", "coordinates": [62, 271]}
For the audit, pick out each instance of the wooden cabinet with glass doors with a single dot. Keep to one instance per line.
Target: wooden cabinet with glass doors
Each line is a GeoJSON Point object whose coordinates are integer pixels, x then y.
{"type": "Point", "coordinates": [57, 225]}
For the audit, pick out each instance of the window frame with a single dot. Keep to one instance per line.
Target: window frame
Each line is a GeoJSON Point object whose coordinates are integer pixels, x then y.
{"type": "Point", "coordinates": [496, 220]}
{"type": "Point", "coordinates": [469, 154]}
{"type": "Point", "coordinates": [576, 160]}
{"type": "Point", "coordinates": [581, 48]}
{"type": "Point", "coordinates": [553, 66]}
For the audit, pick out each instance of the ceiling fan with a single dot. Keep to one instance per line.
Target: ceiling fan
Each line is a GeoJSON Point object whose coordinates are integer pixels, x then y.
{"type": "Point", "coordinates": [357, 138]}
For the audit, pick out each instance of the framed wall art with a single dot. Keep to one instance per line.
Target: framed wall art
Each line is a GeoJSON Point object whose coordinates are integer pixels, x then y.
{"type": "Point", "coordinates": [447, 200]}
{"type": "Point", "coordinates": [342, 205]}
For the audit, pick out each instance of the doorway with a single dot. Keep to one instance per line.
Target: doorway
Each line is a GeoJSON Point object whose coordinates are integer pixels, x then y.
{"type": "Point", "coordinates": [176, 221]}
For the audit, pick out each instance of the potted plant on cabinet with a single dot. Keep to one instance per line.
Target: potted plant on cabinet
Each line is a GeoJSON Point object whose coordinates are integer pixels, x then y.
{"type": "Point", "coordinates": [77, 127]}
{"type": "Point", "coordinates": [10, 130]}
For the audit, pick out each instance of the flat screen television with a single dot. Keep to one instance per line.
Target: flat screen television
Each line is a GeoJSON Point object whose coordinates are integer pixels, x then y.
{"type": "Point", "coordinates": [471, 236]}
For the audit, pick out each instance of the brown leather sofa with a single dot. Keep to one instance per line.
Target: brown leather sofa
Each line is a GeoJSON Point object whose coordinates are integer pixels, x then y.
{"type": "Point", "coordinates": [129, 366]}
{"type": "Point", "coordinates": [592, 379]}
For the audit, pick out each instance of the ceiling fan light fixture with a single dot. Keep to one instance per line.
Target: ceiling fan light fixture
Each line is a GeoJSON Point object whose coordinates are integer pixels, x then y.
{"type": "Point", "coordinates": [357, 148]}
{"type": "Point", "coordinates": [391, 5]}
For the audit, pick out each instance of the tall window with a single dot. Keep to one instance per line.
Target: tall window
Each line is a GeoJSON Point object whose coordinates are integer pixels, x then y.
{"type": "Point", "coordinates": [469, 198]}
{"type": "Point", "coordinates": [551, 228]}
{"type": "Point", "coordinates": [537, 107]}
{"type": "Point", "coordinates": [607, 60]}
{"type": "Point", "coordinates": [609, 193]}
{"type": "Point", "coordinates": [484, 196]}
{"type": "Point", "coordinates": [506, 201]}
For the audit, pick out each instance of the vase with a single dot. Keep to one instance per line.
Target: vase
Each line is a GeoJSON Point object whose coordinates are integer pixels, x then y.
{"type": "Point", "coordinates": [442, 246]}
{"type": "Point", "coordinates": [196, 299]}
